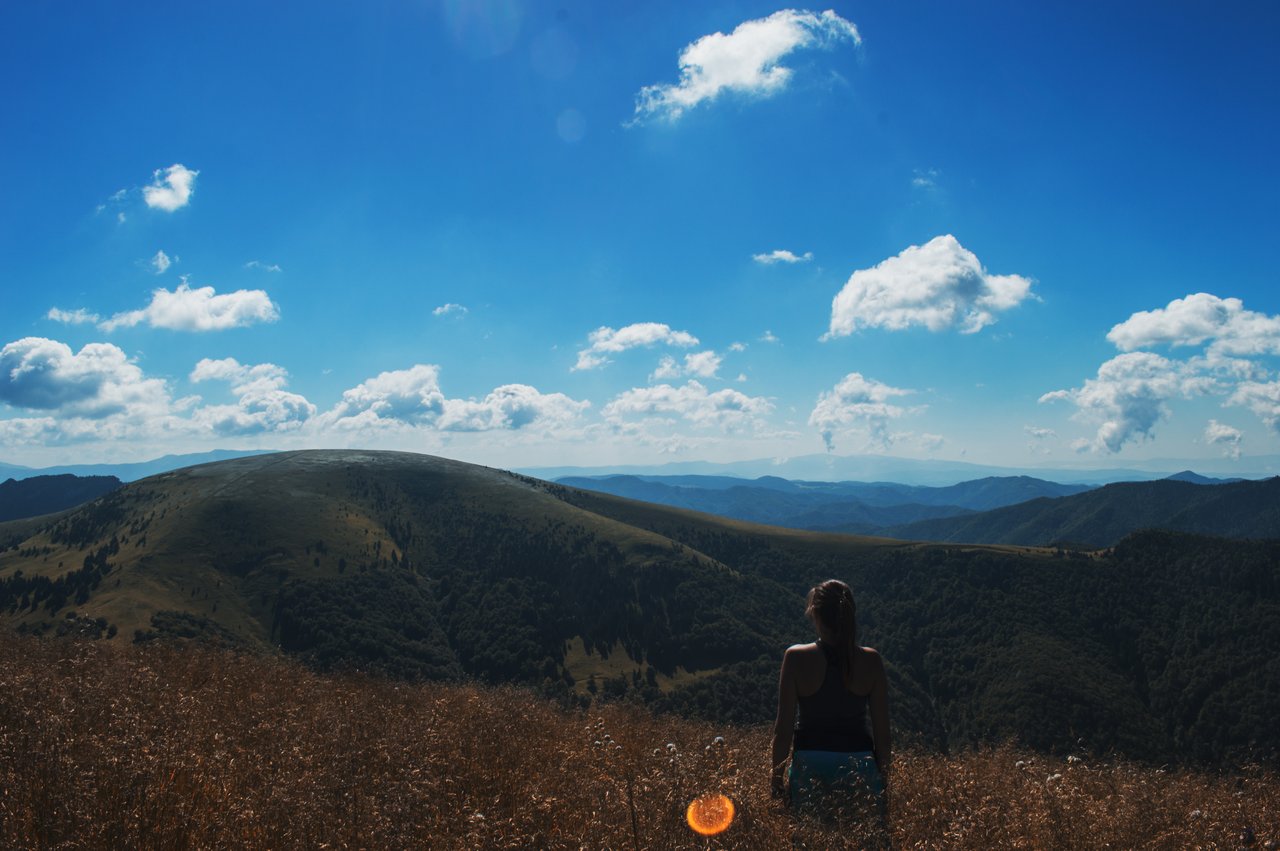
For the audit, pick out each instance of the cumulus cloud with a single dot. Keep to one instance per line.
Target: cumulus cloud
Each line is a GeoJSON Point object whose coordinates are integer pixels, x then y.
{"type": "Point", "coordinates": [857, 401]}
{"type": "Point", "coordinates": [725, 409]}
{"type": "Point", "coordinates": [511, 407]}
{"type": "Point", "coordinates": [782, 255]}
{"type": "Point", "coordinates": [938, 285]}
{"type": "Point", "coordinates": [1261, 397]}
{"type": "Point", "coordinates": [1224, 323]}
{"type": "Point", "coordinates": [1130, 396]}
{"type": "Point", "coordinates": [701, 364]}
{"type": "Point", "coordinates": [40, 374]}
{"type": "Point", "coordinates": [737, 347]}
{"type": "Point", "coordinates": [768, 337]}
{"type": "Point", "coordinates": [446, 309]}
{"type": "Point", "coordinates": [1224, 435]}
{"type": "Point", "coordinates": [171, 188]}
{"type": "Point", "coordinates": [262, 403]}
{"type": "Point", "coordinates": [161, 262]}
{"type": "Point", "coordinates": [266, 267]}
{"type": "Point", "coordinates": [413, 397]}
{"type": "Point", "coordinates": [79, 316]}
{"type": "Point", "coordinates": [1232, 342]}
{"type": "Point", "coordinates": [187, 309]}
{"type": "Point", "coordinates": [605, 341]}
{"type": "Point", "coordinates": [746, 61]}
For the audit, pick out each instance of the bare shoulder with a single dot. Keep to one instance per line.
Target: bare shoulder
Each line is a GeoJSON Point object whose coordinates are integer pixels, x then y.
{"type": "Point", "coordinates": [871, 655]}
{"type": "Point", "coordinates": [799, 651]}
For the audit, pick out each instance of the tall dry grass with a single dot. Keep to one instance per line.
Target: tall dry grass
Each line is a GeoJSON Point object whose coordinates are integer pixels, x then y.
{"type": "Point", "coordinates": [188, 748]}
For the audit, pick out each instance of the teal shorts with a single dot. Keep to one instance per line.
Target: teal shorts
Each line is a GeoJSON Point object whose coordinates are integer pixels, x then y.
{"type": "Point", "coordinates": [831, 781]}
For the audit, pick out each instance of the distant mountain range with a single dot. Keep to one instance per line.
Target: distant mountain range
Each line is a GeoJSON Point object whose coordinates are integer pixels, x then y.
{"type": "Point", "coordinates": [808, 468]}
{"type": "Point", "coordinates": [886, 468]}
{"type": "Point", "coordinates": [1017, 510]}
{"type": "Point", "coordinates": [858, 507]}
{"type": "Point", "coordinates": [128, 472]}
{"type": "Point", "coordinates": [1101, 517]}
{"type": "Point", "coordinates": [47, 494]}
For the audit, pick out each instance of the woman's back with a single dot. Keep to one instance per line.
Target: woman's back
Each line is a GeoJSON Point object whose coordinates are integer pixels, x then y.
{"type": "Point", "coordinates": [833, 717]}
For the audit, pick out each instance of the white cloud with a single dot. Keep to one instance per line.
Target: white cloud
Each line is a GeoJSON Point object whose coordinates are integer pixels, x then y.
{"type": "Point", "coordinates": [746, 61]}
{"type": "Point", "coordinates": [668, 368]}
{"type": "Point", "coordinates": [79, 316]}
{"type": "Point", "coordinates": [446, 309]}
{"type": "Point", "coordinates": [266, 267]}
{"type": "Point", "coordinates": [161, 262]}
{"type": "Point", "coordinates": [742, 376]}
{"type": "Point", "coordinates": [860, 401]}
{"type": "Point", "coordinates": [925, 178]}
{"type": "Point", "coordinates": [262, 403]}
{"type": "Point", "coordinates": [413, 397]}
{"type": "Point", "coordinates": [701, 364]}
{"type": "Point", "coordinates": [782, 255]}
{"type": "Point", "coordinates": [1227, 436]}
{"type": "Point", "coordinates": [605, 341]}
{"type": "Point", "coordinates": [938, 285]}
{"type": "Point", "coordinates": [1197, 319]}
{"type": "Point", "coordinates": [1261, 397]}
{"type": "Point", "coordinates": [171, 189]}
{"type": "Point", "coordinates": [407, 395]}
{"type": "Point", "coordinates": [768, 337]}
{"type": "Point", "coordinates": [725, 409]}
{"type": "Point", "coordinates": [187, 309]}
{"type": "Point", "coordinates": [1039, 435]}
{"type": "Point", "coordinates": [737, 347]}
{"type": "Point", "coordinates": [1129, 396]}
{"type": "Point", "coordinates": [40, 374]}
{"type": "Point", "coordinates": [511, 407]}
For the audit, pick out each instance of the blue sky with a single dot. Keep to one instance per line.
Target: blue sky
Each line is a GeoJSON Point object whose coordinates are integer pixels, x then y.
{"type": "Point", "coordinates": [529, 234]}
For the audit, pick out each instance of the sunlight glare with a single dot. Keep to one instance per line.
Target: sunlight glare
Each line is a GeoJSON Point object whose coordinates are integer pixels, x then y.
{"type": "Point", "coordinates": [710, 814]}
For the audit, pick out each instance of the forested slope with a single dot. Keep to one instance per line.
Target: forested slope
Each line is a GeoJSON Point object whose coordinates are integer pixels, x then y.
{"type": "Point", "coordinates": [1100, 518]}
{"type": "Point", "coordinates": [424, 568]}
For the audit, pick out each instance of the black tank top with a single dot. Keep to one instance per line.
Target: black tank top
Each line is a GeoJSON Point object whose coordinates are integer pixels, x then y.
{"type": "Point", "coordinates": [833, 718]}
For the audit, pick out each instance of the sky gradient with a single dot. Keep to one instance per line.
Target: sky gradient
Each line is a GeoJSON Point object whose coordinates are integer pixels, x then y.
{"type": "Point", "coordinates": [529, 234]}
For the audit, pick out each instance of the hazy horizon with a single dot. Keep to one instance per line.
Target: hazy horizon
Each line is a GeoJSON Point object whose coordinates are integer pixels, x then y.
{"type": "Point", "coordinates": [530, 235]}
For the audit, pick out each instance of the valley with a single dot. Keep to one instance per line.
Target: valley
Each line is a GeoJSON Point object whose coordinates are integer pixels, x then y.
{"type": "Point", "coordinates": [422, 568]}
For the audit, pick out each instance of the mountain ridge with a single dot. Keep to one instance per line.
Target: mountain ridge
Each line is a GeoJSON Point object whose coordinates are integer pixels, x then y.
{"type": "Point", "coordinates": [425, 568]}
{"type": "Point", "coordinates": [1101, 517]}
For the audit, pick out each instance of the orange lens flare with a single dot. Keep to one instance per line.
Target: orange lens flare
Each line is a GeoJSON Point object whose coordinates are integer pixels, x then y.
{"type": "Point", "coordinates": [709, 814]}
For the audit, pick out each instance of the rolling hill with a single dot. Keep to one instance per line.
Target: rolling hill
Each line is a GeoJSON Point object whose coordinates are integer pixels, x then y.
{"type": "Point", "coordinates": [1100, 518]}
{"type": "Point", "coordinates": [424, 568]}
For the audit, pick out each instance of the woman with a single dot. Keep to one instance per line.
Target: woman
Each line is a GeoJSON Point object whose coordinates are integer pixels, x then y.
{"type": "Point", "coordinates": [826, 692]}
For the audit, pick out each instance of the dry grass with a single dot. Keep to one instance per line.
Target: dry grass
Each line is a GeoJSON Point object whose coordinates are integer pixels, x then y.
{"type": "Point", "coordinates": [162, 748]}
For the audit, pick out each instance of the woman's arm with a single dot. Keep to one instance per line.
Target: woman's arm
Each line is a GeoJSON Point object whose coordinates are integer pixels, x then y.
{"type": "Point", "coordinates": [878, 703]}
{"type": "Point", "coordinates": [784, 726]}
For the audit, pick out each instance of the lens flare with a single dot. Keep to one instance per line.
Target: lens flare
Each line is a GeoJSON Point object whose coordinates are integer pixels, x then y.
{"type": "Point", "coordinates": [710, 814]}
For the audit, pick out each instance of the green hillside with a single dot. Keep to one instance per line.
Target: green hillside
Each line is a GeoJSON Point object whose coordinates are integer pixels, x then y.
{"type": "Point", "coordinates": [420, 567]}
{"type": "Point", "coordinates": [1100, 518]}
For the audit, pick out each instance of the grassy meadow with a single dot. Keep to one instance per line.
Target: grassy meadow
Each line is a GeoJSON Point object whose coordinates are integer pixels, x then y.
{"type": "Point", "coordinates": [103, 746]}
